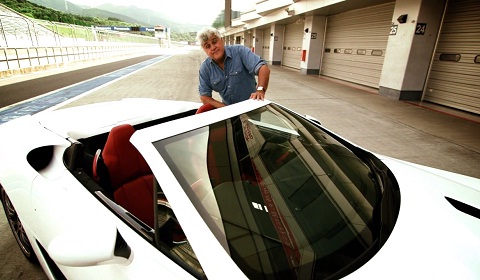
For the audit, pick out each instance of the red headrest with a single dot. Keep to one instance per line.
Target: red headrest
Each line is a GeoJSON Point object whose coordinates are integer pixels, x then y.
{"type": "Point", "coordinates": [122, 159]}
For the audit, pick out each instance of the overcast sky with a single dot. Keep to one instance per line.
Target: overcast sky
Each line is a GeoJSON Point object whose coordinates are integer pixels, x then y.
{"type": "Point", "coordinates": [190, 11]}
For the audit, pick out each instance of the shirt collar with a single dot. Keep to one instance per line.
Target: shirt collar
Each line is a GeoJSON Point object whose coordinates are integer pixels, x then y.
{"type": "Point", "coordinates": [228, 52]}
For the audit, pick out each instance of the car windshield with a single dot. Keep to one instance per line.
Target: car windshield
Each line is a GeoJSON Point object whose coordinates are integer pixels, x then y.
{"type": "Point", "coordinates": [284, 198]}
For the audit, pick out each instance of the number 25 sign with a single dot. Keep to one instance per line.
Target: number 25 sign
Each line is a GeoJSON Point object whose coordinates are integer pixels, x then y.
{"type": "Point", "coordinates": [393, 29]}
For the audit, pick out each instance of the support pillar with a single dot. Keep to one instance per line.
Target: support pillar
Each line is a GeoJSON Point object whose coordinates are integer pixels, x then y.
{"type": "Point", "coordinates": [411, 42]}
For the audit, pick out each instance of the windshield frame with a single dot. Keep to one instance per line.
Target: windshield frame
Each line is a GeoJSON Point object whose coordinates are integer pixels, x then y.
{"type": "Point", "coordinates": [278, 129]}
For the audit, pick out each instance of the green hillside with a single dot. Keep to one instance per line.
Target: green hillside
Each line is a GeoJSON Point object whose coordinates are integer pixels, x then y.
{"type": "Point", "coordinates": [35, 11]}
{"type": "Point", "coordinates": [83, 17]}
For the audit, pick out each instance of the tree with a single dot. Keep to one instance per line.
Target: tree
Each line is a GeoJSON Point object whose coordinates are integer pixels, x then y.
{"type": "Point", "coordinates": [220, 20]}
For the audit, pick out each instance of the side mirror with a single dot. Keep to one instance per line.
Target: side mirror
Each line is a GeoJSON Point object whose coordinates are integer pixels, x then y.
{"type": "Point", "coordinates": [90, 247]}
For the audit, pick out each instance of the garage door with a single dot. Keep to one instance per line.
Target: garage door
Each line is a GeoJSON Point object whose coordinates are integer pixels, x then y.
{"type": "Point", "coordinates": [355, 44]}
{"type": "Point", "coordinates": [454, 78]}
{"type": "Point", "coordinates": [292, 45]}
{"type": "Point", "coordinates": [266, 44]}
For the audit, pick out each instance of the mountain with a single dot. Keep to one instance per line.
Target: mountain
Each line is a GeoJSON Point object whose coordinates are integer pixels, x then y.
{"type": "Point", "coordinates": [130, 14]}
{"type": "Point", "coordinates": [101, 13]}
{"type": "Point", "coordinates": [59, 5]}
{"type": "Point", "coordinates": [151, 18]}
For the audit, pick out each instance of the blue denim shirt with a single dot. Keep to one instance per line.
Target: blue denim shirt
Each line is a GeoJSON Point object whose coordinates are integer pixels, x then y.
{"type": "Point", "coordinates": [237, 81]}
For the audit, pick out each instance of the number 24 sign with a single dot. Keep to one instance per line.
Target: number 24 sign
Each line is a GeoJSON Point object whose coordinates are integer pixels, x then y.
{"type": "Point", "coordinates": [420, 28]}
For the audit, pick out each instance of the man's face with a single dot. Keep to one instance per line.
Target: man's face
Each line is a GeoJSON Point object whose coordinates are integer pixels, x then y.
{"type": "Point", "coordinates": [214, 48]}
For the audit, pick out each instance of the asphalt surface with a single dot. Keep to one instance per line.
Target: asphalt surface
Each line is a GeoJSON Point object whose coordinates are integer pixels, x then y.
{"type": "Point", "coordinates": [22, 90]}
{"type": "Point", "coordinates": [418, 132]}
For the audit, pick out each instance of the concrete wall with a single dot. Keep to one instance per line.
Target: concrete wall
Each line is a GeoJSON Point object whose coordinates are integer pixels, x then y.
{"type": "Point", "coordinates": [276, 44]}
{"type": "Point", "coordinates": [313, 42]}
{"type": "Point", "coordinates": [408, 55]}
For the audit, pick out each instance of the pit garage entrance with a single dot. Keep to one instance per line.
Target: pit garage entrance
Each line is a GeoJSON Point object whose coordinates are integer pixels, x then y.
{"type": "Point", "coordinates": [355, 44]}
{"type": "Point", "coordinates": [454, 78]}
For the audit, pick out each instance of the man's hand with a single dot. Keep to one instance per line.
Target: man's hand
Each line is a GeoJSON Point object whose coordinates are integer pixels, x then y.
{"type": "Point", "coordinates": [258, 95]}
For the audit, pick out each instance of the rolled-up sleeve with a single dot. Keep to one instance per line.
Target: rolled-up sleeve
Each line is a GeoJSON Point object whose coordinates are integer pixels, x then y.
{"type": "Point", "coordinates": [259, 65]}
{"type": "Point", "coordinates": [252, 61]}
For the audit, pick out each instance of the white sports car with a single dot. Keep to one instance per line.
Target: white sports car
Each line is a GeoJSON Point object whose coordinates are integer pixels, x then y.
{"type": "Point", "coordinates": [144, 188]}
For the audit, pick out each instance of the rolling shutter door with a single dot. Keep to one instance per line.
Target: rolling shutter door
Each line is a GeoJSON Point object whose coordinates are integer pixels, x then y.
{"type": "Point", "coordinates": [355, 44]}
{"type": "Point", "coordinates": [454, 78]}
{"type": "Point", "coordinates": [292, 45]}
{"type": "Point", "coordinates": [266, 44]}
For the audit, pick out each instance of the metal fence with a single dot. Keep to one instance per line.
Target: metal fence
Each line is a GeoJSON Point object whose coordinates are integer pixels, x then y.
{"type": "Point", "coordinates": [26, 43]}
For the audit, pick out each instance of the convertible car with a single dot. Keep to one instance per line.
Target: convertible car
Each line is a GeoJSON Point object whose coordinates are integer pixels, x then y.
{"type": "Point", "coordinates": [144, 188]}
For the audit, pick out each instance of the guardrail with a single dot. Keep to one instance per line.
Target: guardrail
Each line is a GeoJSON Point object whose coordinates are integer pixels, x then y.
{"type": "Point", "coordinates": [24, 60]}
{"type": "Point", "coordinates": [28, 45]}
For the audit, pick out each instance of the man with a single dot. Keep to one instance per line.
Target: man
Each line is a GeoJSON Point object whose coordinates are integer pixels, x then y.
{"type": "Point", "coordinates": [230, 71]}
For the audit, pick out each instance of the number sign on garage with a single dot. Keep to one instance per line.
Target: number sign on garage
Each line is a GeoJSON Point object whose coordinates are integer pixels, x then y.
{"type": "Point", "coordinates": [420, 28]}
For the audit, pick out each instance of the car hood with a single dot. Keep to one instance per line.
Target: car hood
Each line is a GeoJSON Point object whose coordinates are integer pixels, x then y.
{"type": "Point", "coordinates": [432, 239]}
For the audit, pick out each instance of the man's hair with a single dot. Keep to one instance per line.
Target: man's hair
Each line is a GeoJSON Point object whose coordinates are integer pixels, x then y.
{"type": "Point", "coordinates": [205, 33]}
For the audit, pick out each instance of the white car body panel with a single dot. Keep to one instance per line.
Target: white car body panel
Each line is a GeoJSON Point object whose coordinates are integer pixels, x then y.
{"type": "Point", "coordinates": [54, 205]}
{"type": "Point", "coordinates": [431, 238]}
{"type": "Point", "coordinates": [84, 121]}
{"type": "Point", "coordinates": [450, 259]}
{"type": "Point", "coordinates": [14, 151]}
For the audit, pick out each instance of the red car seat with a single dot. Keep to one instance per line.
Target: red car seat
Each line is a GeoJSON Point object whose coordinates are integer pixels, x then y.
{"type": "Point", "coordinates": [130, 176]}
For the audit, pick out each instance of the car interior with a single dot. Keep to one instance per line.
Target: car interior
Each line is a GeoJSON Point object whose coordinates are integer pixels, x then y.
{"type": "Point", "coordinates": [108, 164]}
